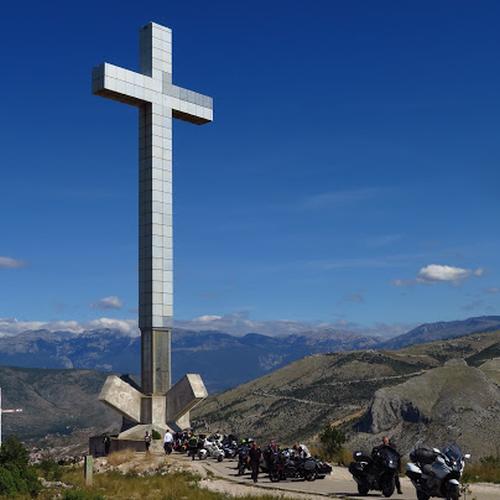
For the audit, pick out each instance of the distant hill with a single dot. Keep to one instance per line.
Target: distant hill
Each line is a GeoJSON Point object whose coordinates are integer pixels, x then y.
{"type": "Point", "coordinates": [53, 402]}
{"type": "Point", "coordinates": [443, 330]}
{"type": "Point", "coordinates": [370, 391]}
{"type": "Point", "coordinates": [223, 360]}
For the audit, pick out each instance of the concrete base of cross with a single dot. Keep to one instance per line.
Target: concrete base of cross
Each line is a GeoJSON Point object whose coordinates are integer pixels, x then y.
{"type": "Point", "coordinates": [153, 412]}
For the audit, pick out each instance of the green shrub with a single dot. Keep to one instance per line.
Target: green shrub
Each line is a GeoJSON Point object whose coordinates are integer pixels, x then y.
{"type": "Point", "coordinates": [49, 469]}
{"type": "Point", "coordinates": [8, 485]}
{"type": "Point", "coordinates": [81, 495]}
{"type": "Point", "coordinates": [16, 477]}
{"type": "Point", "coordinates": [331, 440]}
{"type": "Point", "coordinates": [156, 434]}
{"type": "Point", "coordinates": [13, 452]}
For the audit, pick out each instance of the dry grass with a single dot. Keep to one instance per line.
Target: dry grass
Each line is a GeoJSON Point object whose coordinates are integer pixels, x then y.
{"type": "Point", "coordinates": [174, 486]}
{"type": "Point", "coordinates": [120, 457]}
{"type": "Point", "coordinates": [486, 470]}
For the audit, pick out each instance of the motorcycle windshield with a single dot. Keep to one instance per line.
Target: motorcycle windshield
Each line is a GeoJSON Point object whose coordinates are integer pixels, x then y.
{"type": "Point", "coordinates": [454, 453]}
{"type": "Point", "coordinates": [389, 456]}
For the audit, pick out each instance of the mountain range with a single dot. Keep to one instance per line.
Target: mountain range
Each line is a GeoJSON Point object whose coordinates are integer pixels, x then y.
{"type": "Point", "coordinates": [223, 360]}
{"type": "Point", "coordinates": [446, 389]}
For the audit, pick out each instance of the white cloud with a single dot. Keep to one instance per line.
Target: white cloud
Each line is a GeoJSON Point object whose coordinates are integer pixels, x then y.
{"type": "Point", "coordinates": [443, 273]}
{"type": "Point", "coordinates": [493, 290]}
{"type": "Point", "coordinates": [439, 273]}
{"type": "Point", "coordinates": [341, 197]}
{"type": "Point", "coordinates": [399, 282]}
{"type": "Point", "coordinates": [235, 324]}
{"type": "Point", "coordinates": [128, 326]}
{"type": "Point", "coordinates": [207, 318]}
{"type": "Point", "coordinates": [10, 263]}
{"type": "Point", "coordinates": [13, 326]}
{"type": "Point", "coordinates": [111, 302]}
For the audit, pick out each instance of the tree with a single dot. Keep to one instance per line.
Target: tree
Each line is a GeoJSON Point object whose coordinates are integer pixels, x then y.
{"type": "Point", "coordinates": [332, 440]}
{"type": "Point", "coordinates": [15, 474]}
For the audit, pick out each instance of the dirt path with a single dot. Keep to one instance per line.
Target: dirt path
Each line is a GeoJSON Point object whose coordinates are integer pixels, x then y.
{"type": "Point", "coordinates": [260, 392]}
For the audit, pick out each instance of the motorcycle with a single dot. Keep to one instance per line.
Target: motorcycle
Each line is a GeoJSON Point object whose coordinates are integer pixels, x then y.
{"type": "Point", "coordinates": [243, 460]}
{"type": "Point", "coordinates": [376, 472]}
{"type": "Point", "coordinates": [285, 465]}
{"type": "Point", "coordinates": [230, 449]}
{"type": "Point", "coordinates": [214, 450]}
{"type": "Point", "coordinates": [436, 473]}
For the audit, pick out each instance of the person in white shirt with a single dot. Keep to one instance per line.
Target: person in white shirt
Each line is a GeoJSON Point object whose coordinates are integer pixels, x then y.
{"type": "Point", "coordinates": [168, 442]}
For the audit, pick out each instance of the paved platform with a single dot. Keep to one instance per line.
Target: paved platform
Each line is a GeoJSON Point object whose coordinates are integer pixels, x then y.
{"type": "Point", "coordinates": [338, 484]}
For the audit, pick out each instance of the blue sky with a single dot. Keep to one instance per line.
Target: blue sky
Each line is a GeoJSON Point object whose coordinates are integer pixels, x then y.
{"type": "Point", "coordinates": [355, 145]}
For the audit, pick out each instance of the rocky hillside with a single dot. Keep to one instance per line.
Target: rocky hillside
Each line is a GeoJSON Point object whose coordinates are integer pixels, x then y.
{"type": "Point", "coordinates": [455, 403]}
{"type": "Point", "coordinates": [55, 402]}
{"type": "Point", "coordinates": [299, 399]}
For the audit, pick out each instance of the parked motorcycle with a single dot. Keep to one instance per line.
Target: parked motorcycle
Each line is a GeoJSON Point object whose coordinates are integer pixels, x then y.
{"type": "Point", "coordinates": [214, 450]}
{"type": "Point", "coordinates": [285, 465]}
{"type": "Point", "coordinates": [243, 460]}
{"type": "Point", "coordinates": [230, 449]}
{"type": "Point", "coordinates": [436, 473]}
{"type": "Point", "coordinates": [376, 472]}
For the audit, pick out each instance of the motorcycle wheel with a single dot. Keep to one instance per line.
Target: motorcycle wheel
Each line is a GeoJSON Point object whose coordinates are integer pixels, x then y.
{"type": "Point", "coordinates": [388, 488]}
{"type": "Point", "coordinates": [422, 496]}
{"type": "Point", "coordinates": [310, 476]}
{"type": "Point", "coordinates": [363, 489]}
{"type": "Point", "coordinates": [220, 458]}
{"type": "Point", "coordinates": [274, 478]}
{"type": "Point", "coordinates": [453, 493]}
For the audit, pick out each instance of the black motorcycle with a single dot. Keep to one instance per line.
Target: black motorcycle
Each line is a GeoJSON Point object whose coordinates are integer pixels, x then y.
{"type": "Point", "coordinates": [282, 466]}
{"type": "Point", "coordinates": [376, 472]}
{"type": "Point", "coordinates": [243, 460]}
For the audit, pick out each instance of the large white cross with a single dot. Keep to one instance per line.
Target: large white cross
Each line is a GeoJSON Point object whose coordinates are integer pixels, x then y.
{"type": "Point", "coordinates": [158, 101]}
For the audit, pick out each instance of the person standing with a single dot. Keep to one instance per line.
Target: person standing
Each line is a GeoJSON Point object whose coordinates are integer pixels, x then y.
{"type": "Point", "coordinates": [107, 443]}
{"type": "Point", "coordinates": [147, 441]}
{"type": "Point", "coordinates": [387, 443]}
{"type": "Point", "coordinates": [192, 446]}
{"type": "Point", "coordinates": [255, 454]}
{"type": "Point", "coordinates": [168, 442]}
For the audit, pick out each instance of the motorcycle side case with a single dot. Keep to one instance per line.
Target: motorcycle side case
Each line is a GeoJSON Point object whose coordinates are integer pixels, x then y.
{"type": "Point", "coordinates": [357, 469]}
{"type": "Point", "coordinates": [413, 471]}
{"type": "Point", "coordinates": [310, 465]}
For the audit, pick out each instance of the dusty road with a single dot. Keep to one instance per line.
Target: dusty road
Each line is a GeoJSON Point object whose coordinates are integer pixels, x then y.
{"type": "Point", "coordinates": [339, 484]}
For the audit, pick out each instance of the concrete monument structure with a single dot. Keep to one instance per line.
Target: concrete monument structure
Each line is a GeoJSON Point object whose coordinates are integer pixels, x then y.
{"type": "Point", "coordinates": [155, 404]}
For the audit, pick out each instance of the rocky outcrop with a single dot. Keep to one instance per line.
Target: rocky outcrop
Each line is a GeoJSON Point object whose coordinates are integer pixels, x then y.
{"type": "Point", "coordinates": [454, 403]}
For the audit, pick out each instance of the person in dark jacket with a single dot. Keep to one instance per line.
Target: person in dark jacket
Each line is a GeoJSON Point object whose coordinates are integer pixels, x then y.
{"type": "Point", "coordinates": [255, 454]}
{"type": "Point", "coordinates": [147, 441]}
{"type": "Point", "coordinates": [192, 446]}
{"type": "Point", "coordinates": [386, 442]}
{"type": "Point", "coordinates": [107, 443]}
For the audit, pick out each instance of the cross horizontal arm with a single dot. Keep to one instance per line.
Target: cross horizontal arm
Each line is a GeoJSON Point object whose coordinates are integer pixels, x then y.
{"type": "Point", "coordinates": [124, 85]}
{"type": "Point", "coordinates": [188, 105]}
{"type": "Point", "coordinates": [133, 88]}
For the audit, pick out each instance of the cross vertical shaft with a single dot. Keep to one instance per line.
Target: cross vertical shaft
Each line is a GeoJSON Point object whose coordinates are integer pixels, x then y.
{"type": "Point", "coordinates": [155, 217]}
{"type": "Point", "coordinates": [155, 246]}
